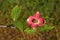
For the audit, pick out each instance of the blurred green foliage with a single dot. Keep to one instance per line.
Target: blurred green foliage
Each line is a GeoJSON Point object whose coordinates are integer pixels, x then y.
{"type": "Point", "coordinates": [45, 28]}
{"type": "Point", "coordinates": [50, 10]}
{"type": "Point", "coordinates": [30, 31]}
{"type": "Point", "coordinates": [15, 13]}
{"type": "Point", "coordinates": [19, 25]}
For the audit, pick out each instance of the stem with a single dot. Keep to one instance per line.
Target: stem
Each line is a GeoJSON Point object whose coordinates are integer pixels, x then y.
{"type": "Point", "coordinates": [4, 26]}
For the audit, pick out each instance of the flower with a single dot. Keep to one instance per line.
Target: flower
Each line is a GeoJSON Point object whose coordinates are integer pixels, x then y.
{"type": "Point", "coordinates": [35, 20]}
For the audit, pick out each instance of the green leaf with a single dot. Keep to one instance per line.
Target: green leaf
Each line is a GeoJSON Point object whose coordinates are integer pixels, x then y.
{"type": "Point", "coordinates": [30, 31]}
{"type": "Point", "coordinates": [47, 17]}
{"type": "Point", "coordinates": [45, 28]}
{"type": "Point", "coordinates": [19, 24]}
{"type": "Point", "coordinates": [15, 13]}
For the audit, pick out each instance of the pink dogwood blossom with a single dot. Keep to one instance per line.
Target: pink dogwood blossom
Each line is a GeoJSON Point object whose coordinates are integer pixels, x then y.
{"type": "Point", "coordinates": [36, 20]}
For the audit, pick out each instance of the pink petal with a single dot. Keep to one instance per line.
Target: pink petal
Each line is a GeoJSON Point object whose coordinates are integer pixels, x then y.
{"type": "Point", "coordinates": [29, 20]}
{"type": "Point", "coordinates": [37, 15]}
{"type": "Point", "coordinates": [41, 22]}
{"type": "Point", "coordinates": [34, 25]}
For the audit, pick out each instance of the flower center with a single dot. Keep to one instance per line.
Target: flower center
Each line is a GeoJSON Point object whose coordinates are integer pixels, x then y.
{"type": "Point", "coordinates": [35, 21]}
